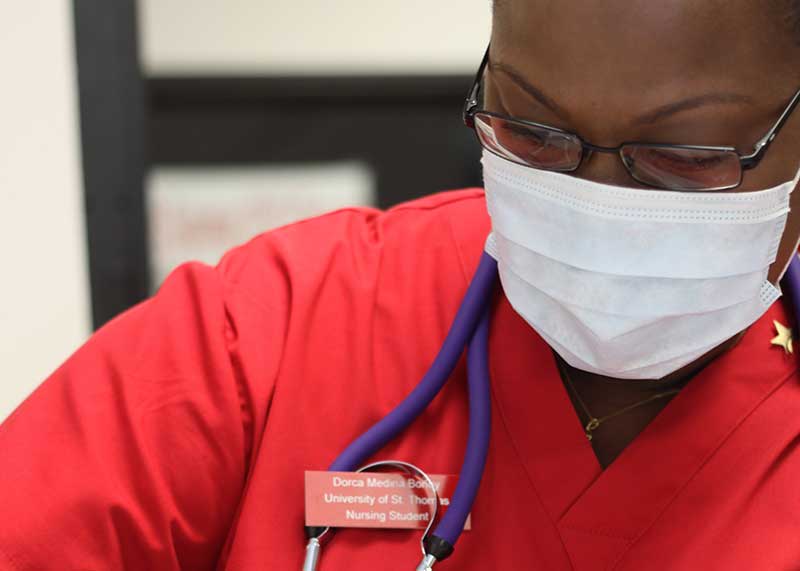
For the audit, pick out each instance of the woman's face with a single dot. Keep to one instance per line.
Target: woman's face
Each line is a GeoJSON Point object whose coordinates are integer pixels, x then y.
{"type": "Point", "coordinates": [675, 71]}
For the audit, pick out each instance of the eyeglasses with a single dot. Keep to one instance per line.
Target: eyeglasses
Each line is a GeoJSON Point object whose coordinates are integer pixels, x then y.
{"type": "Point", "coordinates": [668, 167]}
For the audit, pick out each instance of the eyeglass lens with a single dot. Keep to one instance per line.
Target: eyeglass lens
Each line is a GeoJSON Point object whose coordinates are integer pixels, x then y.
{"type": "Point", "coordinates": [528, 145]}
{"type": "Point", "coordinates": [681, 168]}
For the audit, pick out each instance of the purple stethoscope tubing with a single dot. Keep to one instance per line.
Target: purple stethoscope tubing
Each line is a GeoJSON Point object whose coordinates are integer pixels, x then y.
{"type": "Point", "coordinates": [470, 326]}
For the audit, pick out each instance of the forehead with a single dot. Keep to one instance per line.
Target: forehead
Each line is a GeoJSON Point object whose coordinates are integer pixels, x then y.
{"type": "Point", "coordinates": [664, 47]}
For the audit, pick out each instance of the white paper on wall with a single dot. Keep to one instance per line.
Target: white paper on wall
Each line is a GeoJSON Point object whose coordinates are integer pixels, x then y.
{"type": "Point", "coordinates": [197, 213]}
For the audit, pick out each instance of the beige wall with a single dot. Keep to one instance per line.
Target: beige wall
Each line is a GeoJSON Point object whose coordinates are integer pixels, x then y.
{"type": "Point", "coordinates": [313, 36]}
{"type": "Point", "coordinates": [44, 313]}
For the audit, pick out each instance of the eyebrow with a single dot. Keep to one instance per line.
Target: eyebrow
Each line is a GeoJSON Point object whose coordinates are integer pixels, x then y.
{"type": "Point", "coordinates": [650, 117]}
{"type": "Point", "coordinates": [534, 92]}
{"type": "Point", "coordinates": [693, 103]}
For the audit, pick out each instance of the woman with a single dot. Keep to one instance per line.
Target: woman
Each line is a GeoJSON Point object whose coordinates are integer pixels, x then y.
{"type": "Point", "coordinates": [177, 437]}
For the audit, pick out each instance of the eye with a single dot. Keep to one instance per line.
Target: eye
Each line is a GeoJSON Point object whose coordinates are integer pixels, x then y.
{"type": "Point", "coordinates": [685, 159]}
{"type": "Point", "coordinates": [683, 168]}
{"type": "Point", "coordinates": [521, 131]}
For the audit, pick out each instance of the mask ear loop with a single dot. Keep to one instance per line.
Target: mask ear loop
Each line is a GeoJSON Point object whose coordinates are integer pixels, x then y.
{"type": "Point", "coordinates": [314, 547]}
{"type": "Point", "coordinates": [795, 182]}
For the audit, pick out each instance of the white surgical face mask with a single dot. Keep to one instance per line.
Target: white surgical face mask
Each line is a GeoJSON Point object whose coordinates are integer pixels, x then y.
{"type": "Point", "coordinates": [625, 282]}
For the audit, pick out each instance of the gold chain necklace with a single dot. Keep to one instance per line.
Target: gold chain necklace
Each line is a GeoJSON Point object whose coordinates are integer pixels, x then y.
{"type": "Point", "coordinates": [594, 422]}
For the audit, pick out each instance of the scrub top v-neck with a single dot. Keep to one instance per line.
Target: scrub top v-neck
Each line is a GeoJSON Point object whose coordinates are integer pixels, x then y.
{"type": "Point", "coordinates": [600, 513]}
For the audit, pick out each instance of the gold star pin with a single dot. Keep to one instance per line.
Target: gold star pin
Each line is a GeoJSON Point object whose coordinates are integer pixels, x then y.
{"type": "Point", "coordinates": [784, 337]}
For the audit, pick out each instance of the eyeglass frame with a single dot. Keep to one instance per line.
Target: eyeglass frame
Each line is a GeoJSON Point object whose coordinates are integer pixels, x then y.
{"type": "Point", "coordinates": [746, 162]}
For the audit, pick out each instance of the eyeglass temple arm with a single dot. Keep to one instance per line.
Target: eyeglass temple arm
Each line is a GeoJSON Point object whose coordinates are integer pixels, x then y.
{"type": "Point", "coordinates": [751, 160]}
{"type": "Point", "coordinates": [472, 98]}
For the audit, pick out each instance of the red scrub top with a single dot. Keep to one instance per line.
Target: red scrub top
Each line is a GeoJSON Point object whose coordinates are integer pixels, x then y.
{"type": "Point", "coordinates": [177, 436]}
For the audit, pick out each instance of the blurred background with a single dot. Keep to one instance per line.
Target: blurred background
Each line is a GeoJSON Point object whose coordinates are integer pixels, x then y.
{"type": "Point", "coordinates": [140, 134]}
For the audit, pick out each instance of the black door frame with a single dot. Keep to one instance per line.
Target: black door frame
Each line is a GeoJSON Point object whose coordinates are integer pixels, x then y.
{"type": "Point", "coordinates": [112, 122]}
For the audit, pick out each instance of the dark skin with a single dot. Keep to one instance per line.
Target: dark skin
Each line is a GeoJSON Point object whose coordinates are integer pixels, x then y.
{"type": "Point", "coordinates": [679, 71]}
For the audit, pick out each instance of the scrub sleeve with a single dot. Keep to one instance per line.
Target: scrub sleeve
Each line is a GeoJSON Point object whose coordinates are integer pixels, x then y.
{"type": "Point", "coordinates": [133, 454]}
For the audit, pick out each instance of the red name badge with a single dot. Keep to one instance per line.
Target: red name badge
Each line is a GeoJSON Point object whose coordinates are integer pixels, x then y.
{"type": "Point", "coordinates": [385, 500]}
